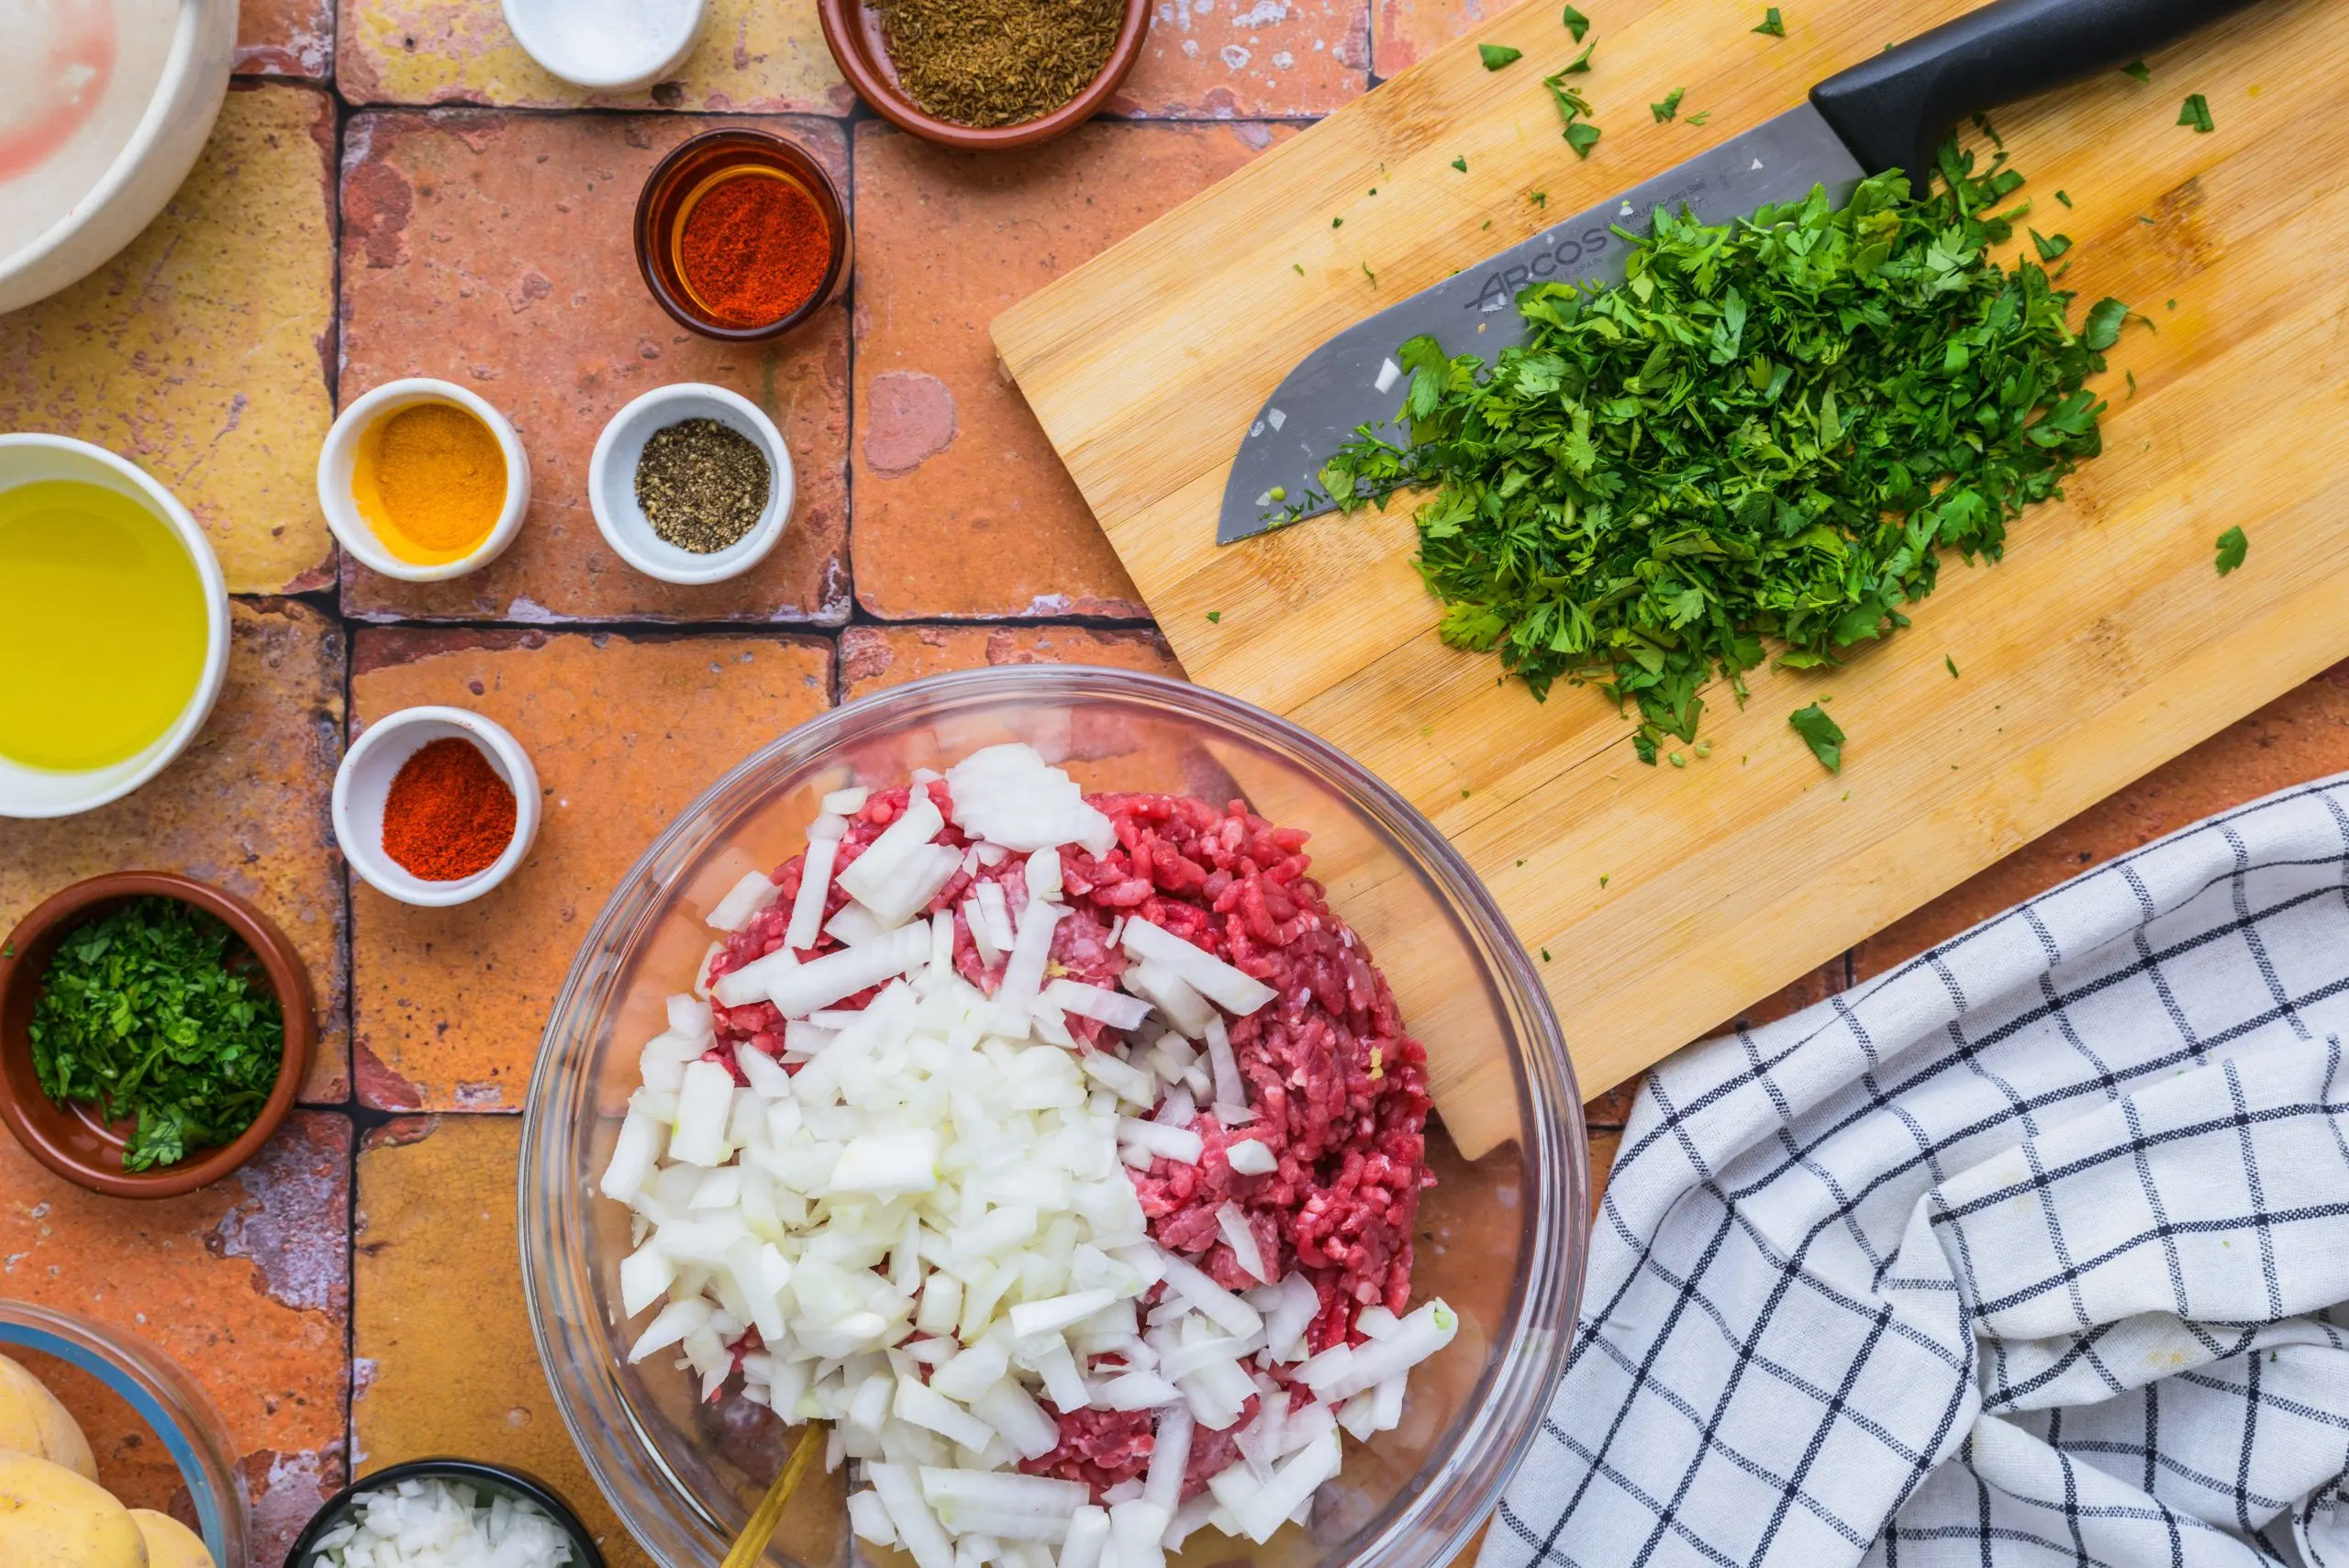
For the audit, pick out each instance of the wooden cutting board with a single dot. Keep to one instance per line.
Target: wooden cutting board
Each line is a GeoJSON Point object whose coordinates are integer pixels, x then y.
{"type": "Point", "coordinates": [1659, 901]}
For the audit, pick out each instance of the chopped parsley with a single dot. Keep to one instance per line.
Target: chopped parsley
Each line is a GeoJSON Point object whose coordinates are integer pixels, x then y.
{"type": "Point", "coordinates": [1573, 109]}
{"type": "Point", "coordinates": [2232, 548]}
{"type": "Point", "coordinates": [2138, 70]}
{"type": "Point", "coordinates": [2050, 245]}
{"type": "Point", "coordinates": [2064, 196]}
{"type": "Point", "coordinates": [1461, 163]}
{"type": "Point", "coordinates": [1496, 55]}
{"type": "Point", "coordinates": [1575, 22]}
{"type": "Point", "coordinates": [1215, 617]}
{"type": "Point", "coordinates": [1821, 734]}
{"type": "Point", "coordinates": [1774, 429]}
{"type": "Point", "coordinates": [2196, 112]}
{"type": "Point", "coordinates": [156, 1014]}
{"type": "Point", "coordinates": [1699, 117]}
{"type": "Point", "coordinates": [1952, 663]}
{"type": "Point", "coordinates": [1772, 24]}
{"type": "Point", "coordinates": [1670, 107]}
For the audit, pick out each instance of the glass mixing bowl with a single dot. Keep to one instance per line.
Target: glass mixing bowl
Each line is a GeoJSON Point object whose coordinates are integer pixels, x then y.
{"type": "Point", "coordinates": [1500, 1236]}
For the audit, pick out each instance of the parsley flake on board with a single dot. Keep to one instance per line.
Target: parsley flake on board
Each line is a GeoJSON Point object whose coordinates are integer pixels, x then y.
{"type": "Point", "coordinates": [1461, 163]}
{"type": "Point", "coordinates": [141, 1014]}
{"type": "Point", "coordinates": [1573, 109]}
{"type": "Point", "coordinates": [2196, 112]}
{"type": "Point", "coordinates": [1575, 22]}
{"type": "Point", "coordinates": [2232, 548]}
{"type": "Point", "coordinates": [1821, 734]}
{"type": "Point", "coordinates": [1773, 429]}
{"type": "Point", "coordinates": [1772, 24]}
{"type": "Point", "coordinates": [1496, 55]}
{"type": "Point", "coordinates": [2137, 71]}
{"type": "Point", "coordinates": [1670, 107]}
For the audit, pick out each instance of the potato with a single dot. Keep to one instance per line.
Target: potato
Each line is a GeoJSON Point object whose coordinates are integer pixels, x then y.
{"type": "Point", "coordinates": [32, 1421]}
{"type": "Point", "coordinates": [50, 1518]}
{"type": "Point", "coordinates": [170, 1544]}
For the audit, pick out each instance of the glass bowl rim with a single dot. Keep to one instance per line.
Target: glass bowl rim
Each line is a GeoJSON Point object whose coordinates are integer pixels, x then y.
{"type": "Point", "coordinates": [1489, 1440]}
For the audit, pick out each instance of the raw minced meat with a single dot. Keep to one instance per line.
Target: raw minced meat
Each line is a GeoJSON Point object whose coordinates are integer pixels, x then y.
{"type": "Point", "coordinates": [1338, 1089]}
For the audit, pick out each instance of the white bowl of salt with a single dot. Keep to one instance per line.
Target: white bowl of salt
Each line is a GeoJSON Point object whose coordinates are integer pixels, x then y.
{"type": "Point", "coordinates": [606, 46]}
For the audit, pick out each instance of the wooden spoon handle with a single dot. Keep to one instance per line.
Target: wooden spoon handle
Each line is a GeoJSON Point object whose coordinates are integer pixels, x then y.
{"type": "Point", "coordinates": [751, 1546]}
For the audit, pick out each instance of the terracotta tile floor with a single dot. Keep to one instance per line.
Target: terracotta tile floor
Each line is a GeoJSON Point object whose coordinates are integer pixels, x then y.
{"type": "Point", "coordinates": [352, 1298]}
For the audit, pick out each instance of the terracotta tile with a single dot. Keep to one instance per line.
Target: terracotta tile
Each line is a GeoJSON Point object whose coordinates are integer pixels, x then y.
{"type": "Point", "coordinates": [962, 507]}
{"type": "Point", "coordinates": [1403, 32]}
{"type": "Point", "coordinates": [873, 657]}
{"type": "Point", "coordinates": [244, 808]}
{"type": "Point", "coordinates": [1248, 58]}
{"type": "Point", "coordinates": [2300, 736]}
{"type": "Point", "coordinates": [198, 350]}
{"type": "Point", "coordinates": [441, 1330]}
{"type": "Point", "coordinates": [624, 732]}
{"type": "Point", "coordinates": [755, 56]}
{"type": "Point", "coordinates": [492, 250]}
{"type": "Point", "coordinates": [285, 38]}
{"type": "Point", "coordinates": [245, 1284]}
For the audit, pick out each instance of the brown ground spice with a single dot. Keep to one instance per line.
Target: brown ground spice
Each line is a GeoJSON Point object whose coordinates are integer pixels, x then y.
{"type": "Point", "coordinates": [998, 63]}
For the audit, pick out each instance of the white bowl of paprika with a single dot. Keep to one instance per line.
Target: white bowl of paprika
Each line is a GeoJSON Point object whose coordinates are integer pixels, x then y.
{"type": "Point", "coordinates": [435, 805]}
{"type": "Point", "coordinates": [423, 481]}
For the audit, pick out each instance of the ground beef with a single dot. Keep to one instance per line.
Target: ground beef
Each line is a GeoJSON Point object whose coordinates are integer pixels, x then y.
{"type": "Point", "coordinates": [1102, 1448]}
{"type": "Point", "coordinates": [1340, 1091]}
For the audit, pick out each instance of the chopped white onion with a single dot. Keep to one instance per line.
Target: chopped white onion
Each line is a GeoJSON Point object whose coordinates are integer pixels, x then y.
{"type": "Point", "coordinates": [1218, 981]}
{"type": "Point", "coordinates": [922, 1205]}
{"type": "Point", "coordinates": [744, 899]}
{"type": "Point", "coordinates": [1251, 1158]}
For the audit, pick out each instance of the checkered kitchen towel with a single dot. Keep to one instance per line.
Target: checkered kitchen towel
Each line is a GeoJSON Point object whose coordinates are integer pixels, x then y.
{"type": "Point", "coordinates": [2031, 1251]}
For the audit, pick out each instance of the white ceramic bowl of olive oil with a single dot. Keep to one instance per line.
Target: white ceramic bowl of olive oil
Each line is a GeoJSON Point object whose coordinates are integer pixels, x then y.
{"type": "Point", "coordinates": [114, 626]}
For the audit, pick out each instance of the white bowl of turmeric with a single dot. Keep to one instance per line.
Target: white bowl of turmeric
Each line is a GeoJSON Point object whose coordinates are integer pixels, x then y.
{"type": "Point", "coordinates": [423, 481]}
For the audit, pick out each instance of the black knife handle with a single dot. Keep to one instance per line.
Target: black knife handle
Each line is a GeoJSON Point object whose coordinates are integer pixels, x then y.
{"type": "Point", "coordinates": [1892, 111]}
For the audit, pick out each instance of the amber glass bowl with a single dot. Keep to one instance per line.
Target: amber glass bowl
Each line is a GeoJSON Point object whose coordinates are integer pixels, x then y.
{"type": "Point", "coordinates": [699, 166]}
{"type": "Point", "coordinates": [71, 1139]}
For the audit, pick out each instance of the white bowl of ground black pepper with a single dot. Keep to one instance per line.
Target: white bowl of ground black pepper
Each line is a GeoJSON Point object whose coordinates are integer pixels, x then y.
{"type": "Point", "coordinates": [691, 484]}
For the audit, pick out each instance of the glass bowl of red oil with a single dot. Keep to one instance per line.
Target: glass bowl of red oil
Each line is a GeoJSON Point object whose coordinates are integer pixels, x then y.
{"type": "Point", "coordinates": [742, 235]}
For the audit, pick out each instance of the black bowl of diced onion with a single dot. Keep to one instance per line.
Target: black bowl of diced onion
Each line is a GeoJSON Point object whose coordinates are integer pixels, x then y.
{"type": "Point", "coordinates": [503, 1506]}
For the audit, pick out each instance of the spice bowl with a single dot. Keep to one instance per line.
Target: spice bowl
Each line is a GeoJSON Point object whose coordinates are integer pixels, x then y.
{"type": "Point", "coordinates": [71, 1139]}
{"type": "Point", "coordinates": [612, 483]}
{"type": "Point", "coordinates": [363, 788]}
{"type": "Point", "coordinates": [486, 1481]}
{"type": "Point", "coordinates": [852, 32]}
{"type": "Point", "coordinates": [720, 168]}
{"type": "Point", "coordinates": [591, 46]}
{"type": "Point", "coordinates": [340, 478]}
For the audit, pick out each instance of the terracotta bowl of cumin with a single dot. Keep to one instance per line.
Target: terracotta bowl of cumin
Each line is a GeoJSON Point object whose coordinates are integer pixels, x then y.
{"type": "Point", "coordinates": [853, 29]}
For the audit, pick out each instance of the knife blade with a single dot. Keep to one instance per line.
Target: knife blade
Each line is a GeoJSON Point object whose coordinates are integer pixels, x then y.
{"type": "Point", "coordinates": [1886, 113]}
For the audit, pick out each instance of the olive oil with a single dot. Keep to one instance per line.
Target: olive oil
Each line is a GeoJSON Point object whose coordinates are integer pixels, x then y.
{"type": "Point", "coordinates": [102, 625]}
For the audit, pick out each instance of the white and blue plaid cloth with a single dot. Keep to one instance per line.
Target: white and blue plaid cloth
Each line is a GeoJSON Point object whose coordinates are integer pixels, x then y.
{"type": "Point", "coordinates": [2029, 1251]}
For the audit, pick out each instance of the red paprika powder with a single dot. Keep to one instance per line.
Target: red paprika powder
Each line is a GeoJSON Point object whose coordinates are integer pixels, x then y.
{"type": "Point", "coordinates": [754, 249]}
{"type": "Point", "coordinates": [449, 815]}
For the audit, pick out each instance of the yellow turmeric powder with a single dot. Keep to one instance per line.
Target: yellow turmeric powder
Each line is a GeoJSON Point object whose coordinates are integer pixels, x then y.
{"type": "Point", "coordinates": [430, 480]}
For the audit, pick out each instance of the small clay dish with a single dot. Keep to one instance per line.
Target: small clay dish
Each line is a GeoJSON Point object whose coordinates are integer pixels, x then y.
{"type": "Point", "coordinates": [71, 1139]}
{"type": "Point", "coordinates": [494, 1480]}
{"type": "Point", "coordinates": [698, 165]}
{"type": "Point", "coordinates": [853, 29]}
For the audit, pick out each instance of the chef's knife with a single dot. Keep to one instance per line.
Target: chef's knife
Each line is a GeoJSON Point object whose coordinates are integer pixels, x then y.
{"type": "Point", "coordinates": [1886, 113]}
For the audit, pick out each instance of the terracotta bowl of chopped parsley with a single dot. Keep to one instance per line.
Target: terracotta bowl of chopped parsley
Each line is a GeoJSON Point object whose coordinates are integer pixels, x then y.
{"type": "Point", "coordinates": [153, 1033]}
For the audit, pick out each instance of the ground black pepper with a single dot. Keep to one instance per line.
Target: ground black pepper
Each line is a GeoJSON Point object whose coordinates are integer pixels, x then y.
{"type": "Point", "coordinates": [702, 485]}
{"type": "Point", "coordinates": [998, 63]}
